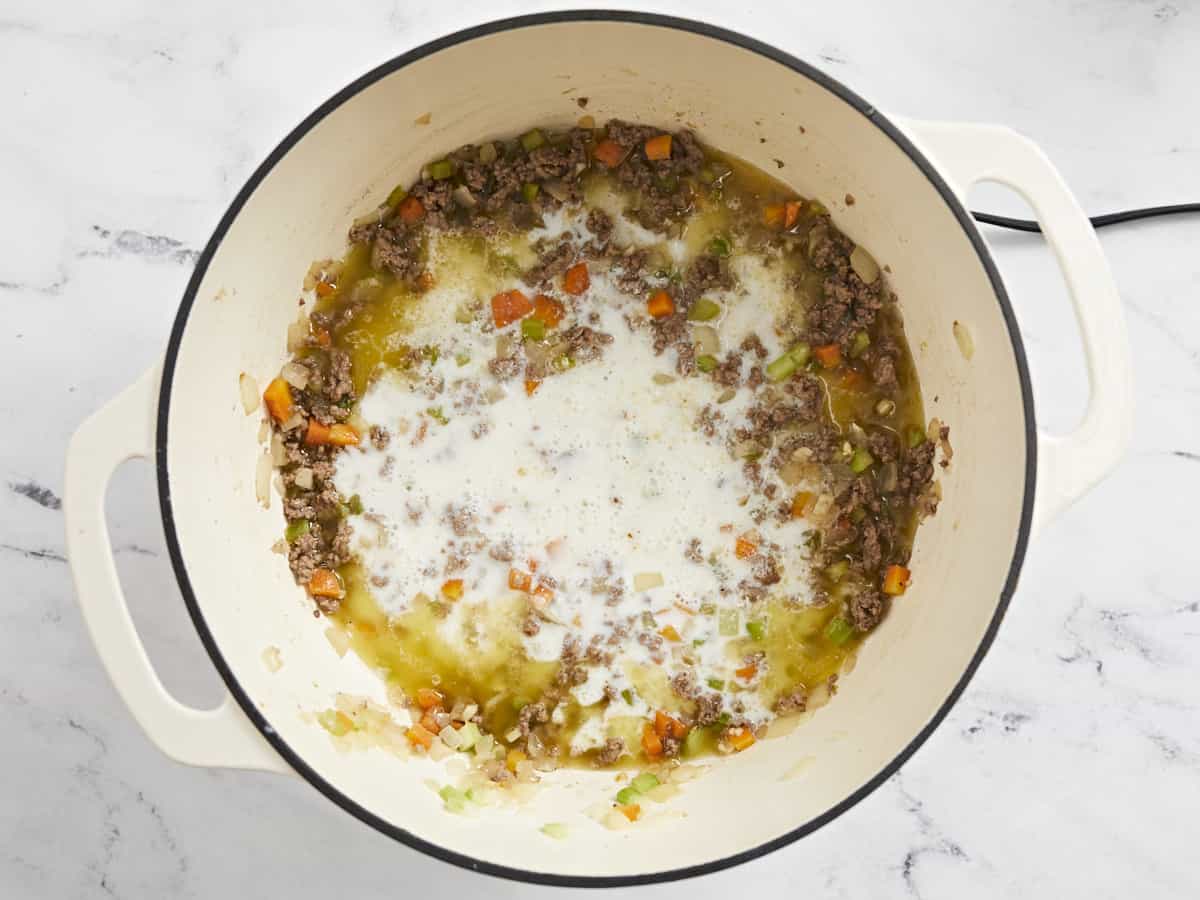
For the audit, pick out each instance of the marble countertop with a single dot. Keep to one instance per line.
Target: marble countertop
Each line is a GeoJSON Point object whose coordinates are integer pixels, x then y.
{"type": "Point", "coordinates": [1070, 768]}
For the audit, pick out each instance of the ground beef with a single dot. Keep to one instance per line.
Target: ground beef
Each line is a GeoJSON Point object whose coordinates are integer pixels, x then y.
{"type": "Point", "coordinates": [793, 702]}
{"type": "Point", "coordinates": [380, 437]}
{"type": "Point", "coordinates": [883, 445]}
{"type": "Point", "coordinates": [585, 344]}
{"type": "Point", "coordinates": [707, 420]}
{"type": "Point", "coordinates": [670, 746]}
{"type": "Point", "coordinates": [684, 684]}
{"type": "Point", "coordinates": [847, 304]}
{"type": "Point", "coordinates": [708, 708]}
{"type": "Point", "coordinates": [866, 608]}
{"type": "Point", "coordinates": [755, 378]}
{"type": "Point", "coordinates": [728, 372]}
{"type": "Point", "coordinates": [692, 551]}
{"type": "Point", "coordinates": [531, 626]}
{"type": "Point", "coordinates": [530, 716]}
{"type": "Point", "coordinates": [460, 519]}
{"type": "Point", "coordinates": [600, 225]}
{"type": "Point", "coordinates": [668, 331]}
{"type": "Point", "coordinates": [765, 569]}
{"type": "Point", "coordinates": [916, 472]}
{"type": "Point", "coordinates": [339, 383]}
{"type": "Point", "coordinates": [629, 273]}
{"type": "Point", "coordinates": [706, 273]}
{"type": "Point", "coordinates": [751, 344]}
{"type": "Point", "coordinates": [504, 368]}
{"type": "Point", "coordinates": [872, 552]}
{"type": "Point", "coordinates": [613, 749]}
{"type": "Point", "coordinates": [397, 249]}
{"type": "Point", "coordinates": [552, 262]}
{"type": "Point", "coordinates": [501, 552]}
{"type": "Point", "coordinates": [883, 370]}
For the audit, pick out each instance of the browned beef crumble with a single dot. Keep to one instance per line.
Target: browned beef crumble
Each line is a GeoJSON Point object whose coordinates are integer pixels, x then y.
{"type": "Point", "coordinates": [612, 750]}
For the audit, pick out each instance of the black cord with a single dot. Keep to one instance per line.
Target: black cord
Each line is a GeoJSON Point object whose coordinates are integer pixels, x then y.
{"type": "Point", "coordinates": [1128, 215]}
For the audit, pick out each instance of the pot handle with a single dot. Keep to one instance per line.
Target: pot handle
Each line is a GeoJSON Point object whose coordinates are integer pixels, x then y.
{"type": "Point", "coordinates": [1069, 465]}
{"type": "Point", "coordinates": [124, 429]}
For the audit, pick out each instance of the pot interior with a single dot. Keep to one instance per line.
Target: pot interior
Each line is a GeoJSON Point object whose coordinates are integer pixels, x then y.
{"type": "Point", "coordinates": [736, 99]}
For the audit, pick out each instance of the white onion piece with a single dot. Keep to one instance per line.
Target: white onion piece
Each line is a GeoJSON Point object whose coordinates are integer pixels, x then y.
{"type": "Point", "coordinates": [338, 640]}
{"type": "Point", "coordinates": [296, 421]}
{"type": "Point", "coordinates": [792, 472]}
{"type": "Point", "coordinates": [663, 792]}
{"type": "Point", "coordinates": [271, 659]}
{"type": "Point", "coordinates": [557, 189]}
{"type": "Point", "coordinates": [374, 217]}
{"type": "Point", "coordinates": [644, 581]}
{"type": "Point", "coordinates": [249, 390]}
{"type": "Point", "coordinates": [966, 343]}
{"type": "Point", "coordinates": [262, 481]}
{"type": "Point", "coordinates": [297, 333]}
{"type": "Point", "coordinates": [295, 374]}
{"type": "Point", "coordinates": [278, 453]}
{"type": "Point", "coordinates": [707, 342]}
{"type": "Point", "coordinates": [303, 478]}
{"type": "Point", "coordinates": [450, 737]}
{"type": "Point", "coordinates": [864, 265]}
{"type": "Point", "coordinates": [464, 198]}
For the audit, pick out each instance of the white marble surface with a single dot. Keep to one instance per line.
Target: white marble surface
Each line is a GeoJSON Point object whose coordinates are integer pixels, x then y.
{"type": "Point", "coordinates": [1071, 767]}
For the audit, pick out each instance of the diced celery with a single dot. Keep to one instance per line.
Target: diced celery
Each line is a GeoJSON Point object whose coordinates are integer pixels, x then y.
{"type": "Point", "coordinates": [563, 363]}
{"type": "Point", "coordinates": [706, 363]}
{"type": "Point", "coordinates": [627, 696]}
{"type": "Point", "coordinates": [336, 723]}
{"type": "Point", "coordinates": [453, 799]}
{"type": "Point", "coordinates": [719, 246]}
{"type": "Point", "coordinates": [531, 140]}
{"type": "Point", "coordinates": [461, 359]}
{"type": "Point", "coordinates": [716, 684]}
{"type": "Point", "coordinates": [697, 642]}
{"type": "Point", "coordinates": [529, 191]}
{"type": "Point", "coordinates": [693, 744]}
{"type": "Point", "coordinates": [799, 354]}
{"type": "Point", "coordinates": [297, 530]}
{"type": "Point", "coordinates": [355, 505]}
{"type": "Point", "coordinates": [435, 413]}
{"type": "Point", "coordinates": [781, 368]}
{"type": "Point", "coordinates": [704, 310]}
{"type": "Point", "coordinates": [727, 622]}
{"type": "Point", "coordinates": [861, 461]}
{"type": "Point", "coordinates": [396, 197]}
{"type": "Point", "coordinates": [838, 631]}
{"type": "Point", "coordinates": [756, 630]}
{"type": "Point", "coordinates": [556, 830]}
{"type": "Point", "coordinates": [862, 341]}
{"type": "Point", "coordinates": [913, 436]}
{"type": "Point", "coordinates": [441, 170]}
{"type": "Point", "coordinates": [837, 571]}
{"type": "Point", "coordinates": [533, 329]}
{"type": "Point", "coordinates": [627, 795]}
{"type": "Point", "coordinates": [646, 781]}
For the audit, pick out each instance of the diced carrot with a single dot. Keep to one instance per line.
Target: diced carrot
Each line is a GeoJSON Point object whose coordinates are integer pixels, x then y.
{"type": "Point", "coordinates": [651, 743]}
{"type": "Point", "coordinates": [325, 583]}
{"type": "Point", "coordinates": [853, 380]}
{"type": "Point", "coordinates": [519, 581]}
{"type": "Point", "coordinates": [424, 281]}
{"type": "Point", "coordinates": [411, 210]}
{"type": "Point", "coordinates": [544, 593]}
{"type": "Point", "coordinates": [610, 153]}
{"type": "Point", "coordinates": [746, 672]}
{"type": "Point", "coordinates": [773, 215]}
{"type": "Point", "coordinates": [453, 589]}
{"type": "Point", "coordinates": [744, 548]}
{"type": "Point", "coordinates": [278, 400]}
{"type": "Point", "coordinates": [801, 504]}
{"type": "Point", "coordinates": [316, 433]}
{"type": "Point", "coordinates": [739, 738]}
{"type": "Point", "coordinates": [666, 725]}
{"type": "Point", "coordinates": [828, 355]}
{"type": "Point", "coordinates": [533, 564]}
{"type": "Point", "coordinates": [428, 698]}
{"type": "Point", "coordinates": [659, 147]}
{"type": "Point", "coordinates": [418, 736]}
{"type": "Point", "coordinates": [531, 386]}
{"type": "Point", "coordinates": [508, 307]}
{"type": "Point", "coordinates": [322, 336]}
{"type": "Point", "coordinates": [324, 288]}
{"type": "Point", "coordinates": [669, 632]}
{"type": "Point", "coordinates": [576, 279]}
{"type": "Point", "coordinates": [791, 212]}
{"type": "Point", "coordinates": [549, 310]}
{"type": "Point", "coordinates": [342, 435]}
{"type": "Point", "coordinates": [429, 723]}
{"type": "Point", "coordinates": [554, 547]}
{"type": "Point", "coordinates": [514, 757]}
{"type": "Point", "coordinates": [895, 580]}
{"type": "Point", "coordinates": [631, 811]}
{"type": "Point", "coordinates": [660, 305]}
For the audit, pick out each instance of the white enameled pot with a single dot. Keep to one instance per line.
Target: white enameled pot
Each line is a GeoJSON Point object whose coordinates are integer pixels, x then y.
{"type": "Point", "coordinates": [908, 180]}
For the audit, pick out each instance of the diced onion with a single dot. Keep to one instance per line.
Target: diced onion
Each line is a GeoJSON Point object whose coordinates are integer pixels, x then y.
{"type": "Point", "coordinates": [262, 481]}
{"type": "Point", "coordinates": [557, 189]}
{"type": "Point", "coordinates": [296, 421]}
{"type": "Point", "coordinates": [297, 333]}
{"type": "Point", "coordinates": [249, 390]}
{"type": "Point", "coordinates": [439, 751]}
{"type": "Point", "coordinates": [338, 640]}
{"type": "Point", "coordinates": [706, 339]}
{"type": "Point", "coordinates": [663, 792]}
{"type": "Point", "coordinates": [644, 581]}
{"type": "Point", "coordinates": [303, 478]}
{"type": "Point", "coordinates": [449, 737]}
{"type": "Point", "coordinates": [864, 265]}
{"type": "Point", "coordinates": [686, 773]}
{"type": "Point", "coordinates": [966, 343]}
{"type": "Point", "coordinates": [464, 198]}
{"type": "Point", "coordinates": [295, 374]}
{"type": "Point", "coordinates": [726, 395]}
{"type": "Point", "coordinates": [278, 451]}
{"type": "Point", "coordinates": [615, 820]}
{"type": "Point", "coordinates": [374, 217]}
{"type": "Point", "coordinates": [746, 449]}
{"type": "Point", "coordinates": [271, 659]}
{"type": "Point", "coordinates": [792, 472]}
{"type": "Point", "coordinates": [662, 378]}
